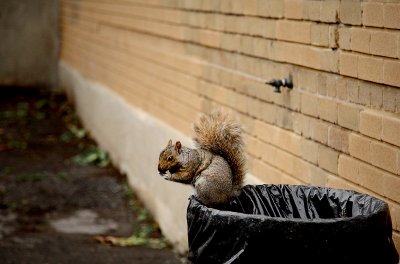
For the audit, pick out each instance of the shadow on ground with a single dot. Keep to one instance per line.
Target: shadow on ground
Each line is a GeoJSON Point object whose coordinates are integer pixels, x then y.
{"type": "Point", "coordinates": [60, 198]}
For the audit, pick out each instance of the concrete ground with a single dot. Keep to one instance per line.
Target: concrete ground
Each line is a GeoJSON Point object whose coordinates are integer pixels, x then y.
{"type": "Point", "coordinates": [61, 200]}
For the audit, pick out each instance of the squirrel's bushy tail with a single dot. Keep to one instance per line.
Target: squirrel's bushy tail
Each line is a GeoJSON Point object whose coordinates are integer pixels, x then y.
{"type": "Point", "coordinates": [220, 134]}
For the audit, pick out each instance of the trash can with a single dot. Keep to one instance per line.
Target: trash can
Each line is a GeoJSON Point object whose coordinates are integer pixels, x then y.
{"type": "Point", "coordinates": [292, 224]}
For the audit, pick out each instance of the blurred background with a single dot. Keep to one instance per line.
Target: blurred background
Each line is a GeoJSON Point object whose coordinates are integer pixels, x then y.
{"type": "Point", "coordinates": [30, 42]}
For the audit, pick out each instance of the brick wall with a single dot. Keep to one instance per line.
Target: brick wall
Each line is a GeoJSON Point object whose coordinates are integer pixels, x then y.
{"type": "Point", "coordinates": [338, 127]}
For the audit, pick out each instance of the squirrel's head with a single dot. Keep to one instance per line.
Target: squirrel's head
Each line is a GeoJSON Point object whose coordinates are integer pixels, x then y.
{"type": "Point", "coordinates": [169, 159]}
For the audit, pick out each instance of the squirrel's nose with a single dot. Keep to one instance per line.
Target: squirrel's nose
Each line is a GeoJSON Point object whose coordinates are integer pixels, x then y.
{"type": "Point", "coordinates": [161, 171]}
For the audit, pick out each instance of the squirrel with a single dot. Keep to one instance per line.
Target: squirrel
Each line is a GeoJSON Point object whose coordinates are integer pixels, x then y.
{"type": "Point", "coordinates": [216, 167]}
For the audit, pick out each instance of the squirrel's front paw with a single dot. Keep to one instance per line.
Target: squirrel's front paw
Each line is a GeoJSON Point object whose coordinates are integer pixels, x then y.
{"type": "Point", "coordinates": [166, 175]}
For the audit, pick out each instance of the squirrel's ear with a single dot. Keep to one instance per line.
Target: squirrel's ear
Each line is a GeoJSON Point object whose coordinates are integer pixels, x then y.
{"type": "Point", "coordinates": [178, 147]}
{"type": "Point", "coordinates": [169, 143]}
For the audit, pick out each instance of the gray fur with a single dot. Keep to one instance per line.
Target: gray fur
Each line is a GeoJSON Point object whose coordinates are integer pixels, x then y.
{"type": "Point", "coordinates": [216, 169]}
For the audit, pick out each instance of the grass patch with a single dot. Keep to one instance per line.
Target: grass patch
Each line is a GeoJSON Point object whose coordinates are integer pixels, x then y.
{"type": "Point", "coordinates": [146, 233]}
{"type": "Point", "coordinates": [34, 177]}
{"type": "Point", "coordinates": [17, 144]}
{"type": "Point", "coordinates": [92, 156]}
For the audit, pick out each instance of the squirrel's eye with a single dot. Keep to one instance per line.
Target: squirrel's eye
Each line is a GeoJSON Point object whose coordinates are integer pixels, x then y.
{"type": "Point", "coordinates": [170, 158]}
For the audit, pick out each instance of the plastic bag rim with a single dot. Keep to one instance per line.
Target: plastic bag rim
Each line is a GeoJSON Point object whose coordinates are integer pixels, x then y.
{"type": "Point", "coordinates": [215, 212]}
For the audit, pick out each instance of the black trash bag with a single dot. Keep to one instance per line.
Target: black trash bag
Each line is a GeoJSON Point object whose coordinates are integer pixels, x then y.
{"type": "Point", "coordinates": [292, 224]}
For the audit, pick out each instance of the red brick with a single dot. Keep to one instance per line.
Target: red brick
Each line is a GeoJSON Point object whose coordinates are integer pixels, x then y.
{"type": "Point", "coordinates": [237, 7]}
{"type": "Point", "coordinates": [318, 176]}
{"type": "Point", "coordinates": [294, 9]}
{"type": "Point", "coordinates": [246, 45]}
{"type": "Point", "coordinates": [268, 112]}
{"type": "Point", "coordinates": [287, 141]}
{"type": "Point", "coordinates": [293, 101]}
{"type": "Point", "coordinates": [348, 168]}
{"type": "Point", "coordinates": [246, 121]}
{"type": "Point", "coordinates": [376, 92]}
{"type": "Point", "coordinates": [344, 38]}
{"type": "Point", "coordinates": [342, 88]}
{"type": "Point", "coordinates": [218, 22]}
{"type": "Point", "coordinates": [329, 60]}
{"type": "Point", "coordinates": [397, 102]}
{"type": "Point", "coordinates": [261, 47]}
{"type": "Point", "coordinates": [348, 63]}
{"type": "Point", "coordinates": [391, 15]}
{"type": "Point", "coordinates": [269, 174]}
{"type": "Point", "coordinates": [263, 130]}
{"type": "Point", "coordinates": [320, 35]}
{"type": "Point", "coordinates": [312, 10]}
{"type": "Point", "coordinates": [398, 163]}
{"type": "Point", "coordinates": [302, 170]}
{"type": "Point", "coordinates": [210, 38]}
{"type": "Point", "coordinates": [309, 104]}
{"type": "Point", "coordinates": [225, 5]}
{"type": "Point", "coordinates": [364, 94]}
{"type": "Point", "coordinates": [308, 80]}
{"type": "Point", "coordinates": [389, 99]}
{"type": "Point", "coordinates": [391, 129]}
{"type": "Point", "coordinates": [391, 186]}
{"type": "Point", "coordinates": [348, 116]}
{"type": "Point", "coordinates": [269, 29]}
{"type": "Point", "coordinates": [339, 183]}
{"type": "Point", "coordinates": [360, 40]}
{"type": "Point", "coordinates": [284, 161]}
{"type": "Point", "coordinates": [391, 72]}
{"type": "Point", "coordinates": [309, 150]}
{"type": "Point", "coordinates": [333, 36]}
{"type": "Point", "coordinates": [371, 124]}
{"type": "Point", "coordinates": [395, 212]}
{"type": "Point", "coordinates": [319, 131]}
{"type": "Point", "coordinates": [352, 90]}
{"type": "Point", "coordinates": [322, 84]}
{"type": "Point", "coordinates": [338, 138]}
{"type": "Point", "coordinates": [293, 31]}
{"type": "Point", "coordinates": [229, 22]}
{"type": "Point", "coordinates": [384, 156]}
{"type": "Point", "coordinates": [370, 68]}
{"type": "Point", "coordinates": [396, 240]}
{"type": "Point", "coordinates": [328, 159]}
{"type": "Point", "coordinates": [330, 11]}
{"type": "Point", "coordinates": [268, 153]}
{"type": "Point", "coordinates": [372, 14]}
{"type": "Point", "coordinates": [289, 52]}
{"type": "Point", "coordinates": [360, 147]}
{"type": "Point", "coordinates": [284, 118]}
{"type": "Point", "coordinates": [315, 58]}
{"type": "Point", "coordinates": [327, 109]}
{"type": "Point", "coordinates": [384, 43]}
{"type": "Point", "coordinates": [371, 178]}
{"type": "Point", "coordinates": [254, 107]}
{"type": "Point", "coordinates": [230, 42]}
{"type": "Point", "coordinates": [301, 124]}
{"type": "Point", "coordinates": [262, 171]}
{"type": "Point", "coordinates": [255, 26]}
{"type": "Point", "coordinates": [250, 7]}
{"type": "Point", "coordinates": [254, 146]}
{"type": "Point", "coordinates": [350, 12]}
{"type": "Point", "coordinates": [272, 8]}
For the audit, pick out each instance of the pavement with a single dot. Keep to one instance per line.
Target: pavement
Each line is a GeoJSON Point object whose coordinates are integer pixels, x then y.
{"type": "Point", "coordinates": [61, 200]}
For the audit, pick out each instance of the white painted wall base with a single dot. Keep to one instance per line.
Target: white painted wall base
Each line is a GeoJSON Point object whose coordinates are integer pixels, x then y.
{"type": "Point", "coordinates": [134, 140]}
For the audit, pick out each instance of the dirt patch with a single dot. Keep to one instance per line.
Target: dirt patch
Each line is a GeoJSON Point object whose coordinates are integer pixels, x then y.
{"type": "Point", "coordinates": [58, 190]}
